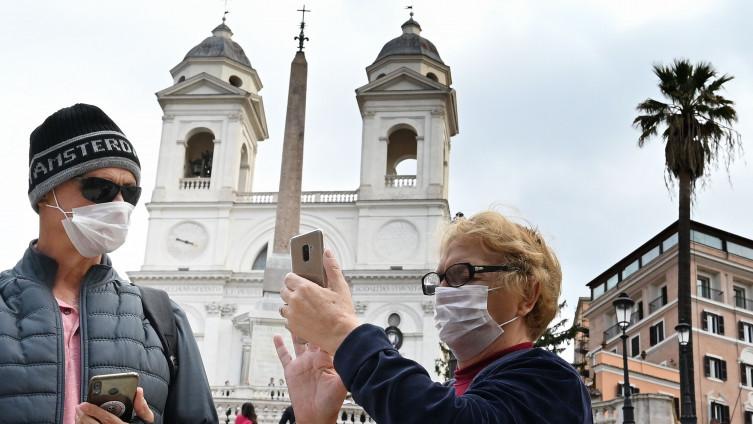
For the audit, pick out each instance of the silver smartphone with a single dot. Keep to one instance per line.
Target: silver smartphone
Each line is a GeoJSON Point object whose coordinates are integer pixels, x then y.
{"type": "Point", "coordinates": [114, 393]}
{"type": "Point", "coordinates": [307, 255]}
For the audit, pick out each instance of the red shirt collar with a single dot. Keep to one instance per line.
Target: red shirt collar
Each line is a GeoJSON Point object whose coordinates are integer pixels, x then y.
{"type": "Point", "coordinates": [464, 376]}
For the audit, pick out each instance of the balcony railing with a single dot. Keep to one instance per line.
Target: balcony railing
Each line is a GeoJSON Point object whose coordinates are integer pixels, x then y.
{"type": "Point", "coordinates": [270, 402]}
{"type": "Point", "coordinates": [198, 183]}
{"type": "Point", "coordinates": [400, 180]}
{"type": "Point", "coordinates": [744, 303]}
{"type": "Point", "coordinates": [306, 197]}
{"type": "Point", "coordinates": [709, 293]}
{"type": "Point", "coordinates": [657, 303]}
{"type": "Point", "coordinates": [611, 332]}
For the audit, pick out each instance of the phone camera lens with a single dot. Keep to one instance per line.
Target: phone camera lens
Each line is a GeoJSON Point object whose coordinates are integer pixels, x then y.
{"type": "Point", "coordinates": [97, 387]}
{"type": "Point", "coordinates": [306, 253]}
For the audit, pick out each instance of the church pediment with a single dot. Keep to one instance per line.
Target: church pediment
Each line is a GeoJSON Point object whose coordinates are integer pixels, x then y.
{"type": "Point", "coordinates": [202, 84]}
{"type": "Point", "coordinates": [402, 79]}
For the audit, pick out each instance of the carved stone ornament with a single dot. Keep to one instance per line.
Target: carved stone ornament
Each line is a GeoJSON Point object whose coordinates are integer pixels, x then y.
{"type": "Point", "coordinates": [360, 307]}
{"type": "Point", "coordinates": [428, 307]}
{"type": "Point", "coordinates": [213, 309]}
{"type": "Point", "coordinates": [228, 309]}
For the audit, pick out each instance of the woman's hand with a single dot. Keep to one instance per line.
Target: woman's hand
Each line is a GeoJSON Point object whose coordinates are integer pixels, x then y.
{"type": "Point", "coordinates": [315, 388]}
{"type": "Point", "coordinates": [87, 413]}
{"type": "Point", "coordinates": [322, 316]}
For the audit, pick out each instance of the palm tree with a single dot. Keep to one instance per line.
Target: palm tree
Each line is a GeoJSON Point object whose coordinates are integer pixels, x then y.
{"type": "Point", "coordinates": [698, 134]}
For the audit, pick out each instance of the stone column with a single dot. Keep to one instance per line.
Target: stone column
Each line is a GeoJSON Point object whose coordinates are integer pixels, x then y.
{"type": "Point", "coordinates": [288, 218]}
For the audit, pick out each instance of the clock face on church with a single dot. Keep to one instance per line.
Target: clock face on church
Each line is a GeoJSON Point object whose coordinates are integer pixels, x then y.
{"type": "Point", "coordinates": [187, 240]}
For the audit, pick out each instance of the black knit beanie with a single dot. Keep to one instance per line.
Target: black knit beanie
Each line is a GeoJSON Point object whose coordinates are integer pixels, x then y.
{"type": "Point", "coordinates": [72, 142]}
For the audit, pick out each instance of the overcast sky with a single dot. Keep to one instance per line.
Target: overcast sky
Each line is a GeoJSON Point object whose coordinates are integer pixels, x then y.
{"type": "Point", "coordinates": [546, 96]}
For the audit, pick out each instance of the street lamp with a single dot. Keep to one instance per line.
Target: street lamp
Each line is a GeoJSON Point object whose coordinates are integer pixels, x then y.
{"type": "Point", "coordinates": [687, 413]}
{"type": "Point", "coordinates": [623, 306]}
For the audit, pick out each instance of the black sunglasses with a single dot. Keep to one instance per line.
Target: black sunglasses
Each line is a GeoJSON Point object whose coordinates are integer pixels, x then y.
{"type": "Point", "coordinates": [100, 190]}
{"type": "Point", "coordinates": [458, 275]}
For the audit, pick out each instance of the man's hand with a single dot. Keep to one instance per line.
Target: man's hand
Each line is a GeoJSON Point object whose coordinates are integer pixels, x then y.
{"type": "Point", "coordinates": [322, 316]}
{"type": "Point", "coordinates": [315, 388]}
{"type": "Point", "coordinates": [87, 413]}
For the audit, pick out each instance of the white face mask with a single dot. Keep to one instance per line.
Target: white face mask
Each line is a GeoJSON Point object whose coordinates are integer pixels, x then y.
{"type": "Point", "coordinates": [98, 228]}
{"type": "Point", "coordinates": [463, 321]}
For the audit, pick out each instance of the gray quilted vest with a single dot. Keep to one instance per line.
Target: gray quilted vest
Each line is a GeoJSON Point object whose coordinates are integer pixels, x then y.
{"type": "Point", "coordinates": [115, 338]}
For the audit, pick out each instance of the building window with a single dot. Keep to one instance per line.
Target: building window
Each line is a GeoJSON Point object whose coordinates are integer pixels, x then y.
{"type": "Point", "coordinates": [712, 322]}
{"type": "Point", "coordinates": [637, 314]}
{"type": "Point", "coordinates": [621, 390]}
{"type": "Point", "coordinates": [669, 242]}
{"type": "Point", "coordinates": [748, 417]}
{"type": "Point", "coordinates": [704, 287]}
{"type": "Point", "coordinates": [739, 250]}
{"type": "Point", "coordinates": [715, 368]}
{"type": "Point", "coordinates": [719, 412]}
{"type": "Point", "coordinates": [650, 255]}
{"type": "Point", "coordinates": [260, 263]}
{"type": "Point", "coordinates": [612, 282]}
{"type": "Point", "coordinates": [235, 81]}
{"type": "Point", "coordinates": [746, 374]}
{"type": "Point", "coordinates": [630, 269]}
{"type": "Point", "coordinates": [635, 346]}
{"type": "Point", "coordinates": [432, 76]}
{"type": "Point", "coordinates": [741, 300]}
{"type": "Point", "coordinates": [597, 291]}
{"type": "Point", "coordinates": [706, 239]}
{"type": "Point", "coordinates": [745, 331]}
{"type": "Point", "coordinates": [660, 301]}
{"type": "Point", "coordinates": [656, 333]}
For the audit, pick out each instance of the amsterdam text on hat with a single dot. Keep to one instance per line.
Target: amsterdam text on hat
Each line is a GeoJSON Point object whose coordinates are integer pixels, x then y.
{"type": "Point", "coordinates": [72, 142]}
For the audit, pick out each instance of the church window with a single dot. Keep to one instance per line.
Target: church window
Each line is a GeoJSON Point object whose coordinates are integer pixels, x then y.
{"type": "Point", "coordinates": [261, 259]}
{"type": "Point", "coordinates": [432, 76]}
{"type": "Point", "coordinates": [380, 76]}
{"type": "Point", "coordinates": [244, 176]}
{"type": "Point", "coordinates": [235, 81]}
{"type": "Point", "coordinates": [401, 158]}
{"type": "Point", "coordinates": [199, 154]}
{"type": "Point", "coordinates": [182, 78]}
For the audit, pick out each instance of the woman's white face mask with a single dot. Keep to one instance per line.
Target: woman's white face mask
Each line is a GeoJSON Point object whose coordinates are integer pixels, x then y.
{"type": "Point", "coordinates": [96, 229]}
{"type": "Point", "coordinates": [463, 320]}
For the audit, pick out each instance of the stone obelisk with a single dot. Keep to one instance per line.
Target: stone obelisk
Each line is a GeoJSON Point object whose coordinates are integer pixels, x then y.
{"type": "Point", "coordinates": [288, 220]}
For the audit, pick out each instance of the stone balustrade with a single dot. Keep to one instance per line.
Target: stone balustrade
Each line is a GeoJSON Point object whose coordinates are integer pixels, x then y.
{"type": "Point", "coordinates": [648, 408]}
{"type": "Point", "coordinates": [306, 197]}
{"type": "Point", "coordinates": [400, 180]}
{"type": "Point", "coordinates": [197, 183]}
{"type": "Point", "coordinates": [269, 403]}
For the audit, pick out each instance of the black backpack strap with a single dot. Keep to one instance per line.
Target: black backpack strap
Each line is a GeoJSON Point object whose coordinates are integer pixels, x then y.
{"type": "Point", "coordinates": [158, 310]}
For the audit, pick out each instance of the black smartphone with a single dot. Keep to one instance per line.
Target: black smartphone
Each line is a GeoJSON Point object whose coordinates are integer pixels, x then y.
{"type": "Point", "coordinates": [114, 393]}
{"type": "Point", "coordinates": [306, 253]}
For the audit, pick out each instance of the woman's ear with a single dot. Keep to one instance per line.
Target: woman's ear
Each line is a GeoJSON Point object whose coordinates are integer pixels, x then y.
{"type": "Point", "coordinates": [526, 305]}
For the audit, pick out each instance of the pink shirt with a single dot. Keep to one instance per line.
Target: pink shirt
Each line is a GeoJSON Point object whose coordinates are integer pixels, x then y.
{"type": "Point", "coordinates": [72, 343]}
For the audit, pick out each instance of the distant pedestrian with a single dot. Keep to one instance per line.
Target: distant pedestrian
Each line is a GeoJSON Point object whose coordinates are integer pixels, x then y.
{"type": "Point", "coordinates": [288, 416]}
{"type": "Point", "coordinates": [247, 415]}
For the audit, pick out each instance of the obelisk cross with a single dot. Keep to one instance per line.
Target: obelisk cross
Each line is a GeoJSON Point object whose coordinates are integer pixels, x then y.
{"type": "Point", "coordinates": [301, 38]}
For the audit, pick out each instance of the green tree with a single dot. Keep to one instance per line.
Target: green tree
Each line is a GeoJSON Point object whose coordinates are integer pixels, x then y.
{"type": "Point", "coordinates": [696, 127]}
{"type": "Point", "coordinates": [557, 337]}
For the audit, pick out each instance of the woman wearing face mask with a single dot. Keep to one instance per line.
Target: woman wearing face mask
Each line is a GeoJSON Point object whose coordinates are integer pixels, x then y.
{"type": "Point", "coordinates": [495, 289]}
{"type": "Point", "coordinates": [65, 314]}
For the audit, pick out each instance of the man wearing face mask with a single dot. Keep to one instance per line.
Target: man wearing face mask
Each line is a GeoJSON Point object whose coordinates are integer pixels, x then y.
{"type": "Point", "coordinates": [65, 314]}
{"type": "Point", "coordinates": [495, 289]}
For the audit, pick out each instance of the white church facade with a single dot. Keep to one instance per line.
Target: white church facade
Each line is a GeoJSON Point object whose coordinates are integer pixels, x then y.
{"type": "Point", "coordinates": [209, 232]}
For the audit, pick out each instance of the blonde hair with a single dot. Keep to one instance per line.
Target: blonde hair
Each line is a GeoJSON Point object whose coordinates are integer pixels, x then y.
{"type": "Point", "coordinates": [520, 246]}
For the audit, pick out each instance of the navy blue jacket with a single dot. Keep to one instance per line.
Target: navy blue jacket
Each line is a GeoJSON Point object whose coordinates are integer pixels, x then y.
{"type": "Point", "coordinates": [522, 387]}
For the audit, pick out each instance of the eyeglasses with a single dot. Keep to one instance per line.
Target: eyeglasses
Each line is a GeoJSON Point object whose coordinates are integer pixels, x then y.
{"type": "Point", "coordinates": [100, 190]}
{"type": "Point", "coordinates": [458, 275]}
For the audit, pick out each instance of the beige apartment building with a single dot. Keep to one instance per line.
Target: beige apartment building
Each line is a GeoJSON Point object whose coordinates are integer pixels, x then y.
{"type": "Point", "coordinates": [722, 308]}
